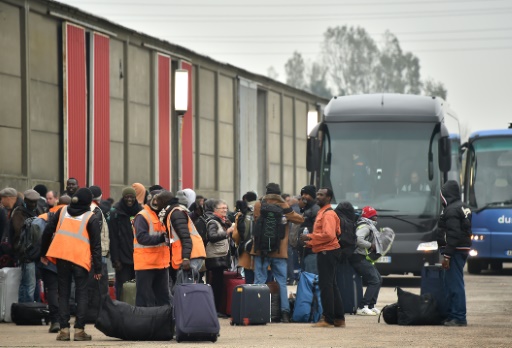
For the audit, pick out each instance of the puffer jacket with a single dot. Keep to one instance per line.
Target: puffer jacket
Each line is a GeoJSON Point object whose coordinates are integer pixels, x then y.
{"type": "Point", "coordinates": [454, 227]}
{"type": "Point", "coordinates": [216, 234]}
{"type": "Point", "coordinates": [291, 216]}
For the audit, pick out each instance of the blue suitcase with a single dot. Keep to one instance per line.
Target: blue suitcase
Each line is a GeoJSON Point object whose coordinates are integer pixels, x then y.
{"type": "Point", "coordinates": [432, 282]}
{"type": "Point", "coordinates": [350, 286]}
{"type": "Point", "coordinates": [250, 305]}
{"type": "Point", "coordinates": [195, 313]}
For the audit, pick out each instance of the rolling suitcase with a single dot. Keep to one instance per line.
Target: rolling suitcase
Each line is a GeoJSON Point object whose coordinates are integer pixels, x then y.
{"type": "Point", "coordinates": [350, 286]}
{"type": "Point", "coordinates": [10, 278]}
{"type": "Point", "coordinates": [231, 281]}
{"type": "Point", "coordinates": [33, 313]}
{"type": "Point", "coordinates": [251, 305]}
{"type": "Point", "coordinates": [275, 302]}
{"type": "Point", "coordinates": [432, 282]}
{"type": "Point", "coordinates": [195, 314]}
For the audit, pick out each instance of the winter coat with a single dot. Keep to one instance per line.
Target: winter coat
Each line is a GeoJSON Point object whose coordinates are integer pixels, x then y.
{"type": "Point", "coordinates": [121, 234]}
{"type": "Point", "coordinates": [310, 211]}
{"type": "Point", "coordinates": [454, 226]}
{"type": "Point", "coordinates": [365, 235]}
{"type": "Point", "coordinates": [290, 215]}
{"type": "Point", "coordinates": [217, 232]}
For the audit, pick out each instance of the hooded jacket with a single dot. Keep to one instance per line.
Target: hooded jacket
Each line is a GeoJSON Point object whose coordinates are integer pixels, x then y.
{"type": "Point", "coordinates": [121, 232]}
{"type": "Point", "coordinates": [454, 226]}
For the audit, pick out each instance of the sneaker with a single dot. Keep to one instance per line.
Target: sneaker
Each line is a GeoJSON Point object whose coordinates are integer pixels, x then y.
{"type": "Point", "coordinates": [80, 335]}
{"type": "Point", "coordinates": [63, 334]}
{"type": "Point", "coordinates": [365, 311]}
{"type": "Point", "coordinates": [455, 322]}
{"type": "Point", "coordinates": [375, 310]}
{"type": "Point", "coordinates": [285, 317]}
{"type": "Point", "coordinates": [54, 327]}
{"type": "Point", "coordinates": [323, 323]}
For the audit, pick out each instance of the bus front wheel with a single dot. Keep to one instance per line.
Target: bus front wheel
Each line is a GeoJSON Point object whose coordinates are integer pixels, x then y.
{"type": "Point", "coordinates": [474, 266]}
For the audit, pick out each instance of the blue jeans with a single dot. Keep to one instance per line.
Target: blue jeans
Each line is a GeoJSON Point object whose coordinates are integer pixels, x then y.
{"type": "Point", "coordinates": [28, 282]}
{"type": "Point", "coordinates": [310, 264]}
{"type": "Point", "coordinates": [371, 277]}
{"type": "Point", "coordinates": [279, 267]}
{"type": "Point", "coordinates": [454, 281]}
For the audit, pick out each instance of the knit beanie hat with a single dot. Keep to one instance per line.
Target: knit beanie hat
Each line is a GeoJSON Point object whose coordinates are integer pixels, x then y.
{"type": "Point", "coordinates": [273, 188]}
{"type": "Point", "coordinates": [96, 193]}
{"type": "Point", "coordinates": [129, 191]}
{"type": "Point", "coordinates": [41, 189]}
{"type": "Point", "coordinates": [140, 192]}
{"type": "Point", "coordinates": [309, 190]}
{"type": "Point", "coordinates": [164, 199]}
{"type": "Point", "coordinates": [82, 197]}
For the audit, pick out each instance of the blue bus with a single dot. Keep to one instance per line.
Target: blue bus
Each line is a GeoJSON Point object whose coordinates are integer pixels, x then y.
{"type": "Point", "coordinates": [392, 152]}
{"type": "Point", "coordinates": [488, 191]}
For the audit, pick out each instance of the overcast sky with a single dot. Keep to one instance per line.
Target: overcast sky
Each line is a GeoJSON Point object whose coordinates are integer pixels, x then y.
{"type": "Point", "coordinates": [466, 44]}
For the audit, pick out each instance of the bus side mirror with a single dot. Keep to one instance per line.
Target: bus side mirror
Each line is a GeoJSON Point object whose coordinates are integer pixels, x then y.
{"type": "Point", "coordinates": [445, 154]}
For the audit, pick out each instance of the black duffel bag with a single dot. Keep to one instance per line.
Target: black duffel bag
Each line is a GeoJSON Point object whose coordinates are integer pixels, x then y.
{"type": "Point", "coordinates": [30, 313]}
{"type": "Point", "coordinates": [121, 320]}
{"type": "Point", "coordinates": [417, 309]}
{"type": "Point", "coordinates": [390, 313]}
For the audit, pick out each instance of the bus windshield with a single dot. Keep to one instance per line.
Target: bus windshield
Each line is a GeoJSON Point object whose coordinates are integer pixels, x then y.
{"type": "Point", "coordinates": [383, 165]}
{"type": "Point", "coordinates": [491, 173]}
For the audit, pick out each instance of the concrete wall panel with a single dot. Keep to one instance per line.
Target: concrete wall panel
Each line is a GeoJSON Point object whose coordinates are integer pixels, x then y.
{"type": "Point", "coordinates": [10, 101]}
{"type": "Point", "coordinates": [207, 93]}
{"type": "Point", "coordinates": [226, 143]}
{"type": "Point", "coordinates": [44, 48]}
{"type": "Point", "coordinates": [10, 140]}
{"type": "Point", "coordinates": [116, 163]}
{"type": "Point", "coordinates": [138, 164]}
{"type": "Point", "coordinates": [206, 137]}
{"type": "Point", "coordinates": [274, 146]}
{"type": "Point", "coordinates": [287, 186]}
{"type": "Point", "coordinates": [288, 150]}
{"type": "Point", "coordinates": [44, 167]}
{"type": "Point", "coordinates": [44, 107]}
{"type": "Point", "coordinates": [117, 66]}
{"type": "Point", "coordinates": [226, 176]}
{"type": "Point", "coordinates": [140, 125]}
{"type": "Point", "coordinates": [274, 173]}
{"type": "Point", "coordinates": [139, 72]}
{"type": "Point", "coordinates": [287, 116]}
{"type": "Point", "coordinates": [226, 102]}
{"type": "Point", "coordinates": [116, 120]}
{"type": "Point", "coordinates": [10, 44]}
{"type": "Point", "coordinates": [207, 175]}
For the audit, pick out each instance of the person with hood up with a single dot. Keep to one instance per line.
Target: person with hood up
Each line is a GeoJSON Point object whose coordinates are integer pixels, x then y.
{"type": "Point", "coordinates": [186, 197]}
{"type": "Point", "coordinates": [121, 237]}
{"type": "Point", "coordinates": [72, 240]}
{"type": "Point", "coordinates": [151, 256]}
{"type": "Point", "coordinates": [454, 239]}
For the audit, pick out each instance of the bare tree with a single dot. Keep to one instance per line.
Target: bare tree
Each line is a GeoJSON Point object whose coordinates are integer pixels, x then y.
{"type": "Point", "coordinates": [318, 81]}
{"type": "Point", "coordinates": [272, 73]}
{"type": "Point", "coordinates": [295, 69]}
{"type": "Point", "coordinates": [434, 88]}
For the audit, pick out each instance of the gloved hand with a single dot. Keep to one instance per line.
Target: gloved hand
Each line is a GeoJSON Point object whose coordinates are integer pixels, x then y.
{"type": "Point", "coordinates": [185, 265]}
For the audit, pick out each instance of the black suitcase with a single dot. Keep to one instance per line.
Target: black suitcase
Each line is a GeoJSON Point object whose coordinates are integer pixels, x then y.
{"type": "Point", "coordinates": [33, 313]}
{"type": "Point", "coordinates": [350, 286]}
{"type": "Point", "coordinates": [195, 314]}
{"type": "Point", "coordinates": [432, 282]}
{"type": "Point", "coordinates": [250, 305]}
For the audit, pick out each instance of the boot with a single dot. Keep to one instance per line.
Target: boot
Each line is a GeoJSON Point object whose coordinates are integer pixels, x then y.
{"type": "Point", "coordinates": [54, 327]}
{"type": "Point", "coordinates": [80, 335]}
{"type": "Point", "coordinates": [285, 317]}
{"type": "Point", "coordinates": [339, 323]}
{"type": "Point", "coordinates": [63, 334]}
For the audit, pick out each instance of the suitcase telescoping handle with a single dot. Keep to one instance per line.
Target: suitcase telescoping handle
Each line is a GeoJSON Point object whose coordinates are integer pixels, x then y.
{"type": "Point", "coordinates": [185, 278]}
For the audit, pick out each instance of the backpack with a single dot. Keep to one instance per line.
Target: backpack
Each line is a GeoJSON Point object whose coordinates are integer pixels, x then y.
{"type": "Point", "coordinates": [347, 237]}
{"type": "Point", "coordinates": [30, 238]}
{"type": "Point", "coordinates": [269, 228]}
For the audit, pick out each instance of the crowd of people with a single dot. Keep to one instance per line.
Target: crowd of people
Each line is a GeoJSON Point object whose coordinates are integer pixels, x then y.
{"type": "Point", "coordinates": [154, 236]}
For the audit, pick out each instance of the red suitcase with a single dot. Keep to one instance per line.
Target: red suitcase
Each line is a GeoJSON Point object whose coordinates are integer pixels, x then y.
{"type": "Point", "coordinates": [231, 281]}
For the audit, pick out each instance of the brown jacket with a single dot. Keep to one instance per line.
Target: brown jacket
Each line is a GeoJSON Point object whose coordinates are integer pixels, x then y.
{"type": "Point", "coordinates": [291, 216]}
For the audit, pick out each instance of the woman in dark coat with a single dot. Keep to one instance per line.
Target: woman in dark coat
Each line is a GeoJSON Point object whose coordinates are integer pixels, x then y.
{"type": "Point", "coordinates": [219, 230]}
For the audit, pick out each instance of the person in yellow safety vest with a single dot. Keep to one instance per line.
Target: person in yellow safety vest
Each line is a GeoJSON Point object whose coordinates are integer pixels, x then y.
{"type": "Point", "coordinates": [187, 247]}
{"type": "Point", "coordinates": [71, 239]}
{"type": "Point", "coordinates": [151, 256]}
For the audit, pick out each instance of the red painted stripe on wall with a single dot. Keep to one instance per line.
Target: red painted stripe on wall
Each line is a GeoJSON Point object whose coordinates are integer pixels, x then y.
{"type": "Point", "coordinates": [164, 125]}
{"type": "Point", "coordinates": [101, 135]}
{"type": "Point", "coordinates": [187, 135]}
{"type": "Point", "coordinates": [76, 102]}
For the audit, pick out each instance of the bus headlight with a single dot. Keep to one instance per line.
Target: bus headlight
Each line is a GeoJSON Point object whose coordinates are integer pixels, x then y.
{"type": "Point", "coordinates": [477, 237]}
{"type": "Point", "coordinates": [473, 252]}
{"type": "Point", "coordinates": [429, 246]}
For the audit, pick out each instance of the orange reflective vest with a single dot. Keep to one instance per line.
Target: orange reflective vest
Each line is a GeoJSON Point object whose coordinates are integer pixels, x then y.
{"type": "Point", "coordinates": [150, 256]}
{"type": "Point", "coordinates": [198, 250]}
{"type": "Point", "coordinates": [56, 208]}
{"type": "Point", "coordinates": [71, 240]}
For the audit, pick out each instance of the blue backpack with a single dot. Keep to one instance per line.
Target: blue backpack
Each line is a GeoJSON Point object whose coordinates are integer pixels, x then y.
{"type": "Point", "coordinates": [308, 306]}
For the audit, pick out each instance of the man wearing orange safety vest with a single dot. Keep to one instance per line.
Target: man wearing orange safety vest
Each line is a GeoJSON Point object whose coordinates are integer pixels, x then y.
{"type": "Point", "coordinates": [151, 256]}
{"type": "Point", "coordinates": [187, 247]}
{"type": "Point", "coordinates": [76, 241]}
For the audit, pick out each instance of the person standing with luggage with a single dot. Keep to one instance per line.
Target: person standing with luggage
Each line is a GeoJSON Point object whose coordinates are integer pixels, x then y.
{"type": "Point", "coordinates": [76, 241]}
{"type": "Point", "coordinates": [324, 242]}
{"type": "Point", "coordinates": [366, 226]}
{"type": "Point", "coordinates": [151, 256]}
{"type": "Point", "coordinates": [454, 239]}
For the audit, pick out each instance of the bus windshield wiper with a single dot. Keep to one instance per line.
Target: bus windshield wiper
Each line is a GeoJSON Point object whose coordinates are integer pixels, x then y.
{"type": "Point", "coordinates": [402, 219]}
{"type": "Point", "coordinates": [488, 205]}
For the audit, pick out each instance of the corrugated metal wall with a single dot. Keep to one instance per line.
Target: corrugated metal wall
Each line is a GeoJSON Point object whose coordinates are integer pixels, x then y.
{"type": "Point", "coordinates": [164, 122]}
{"type": "Point", "coordinates": [75, 102]}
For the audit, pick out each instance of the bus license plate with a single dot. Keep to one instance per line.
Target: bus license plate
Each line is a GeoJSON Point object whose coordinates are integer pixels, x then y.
{"type": "Point", "coordinates": [509, 252]}
{"type": "Point", "coordinates": [384, 259]}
